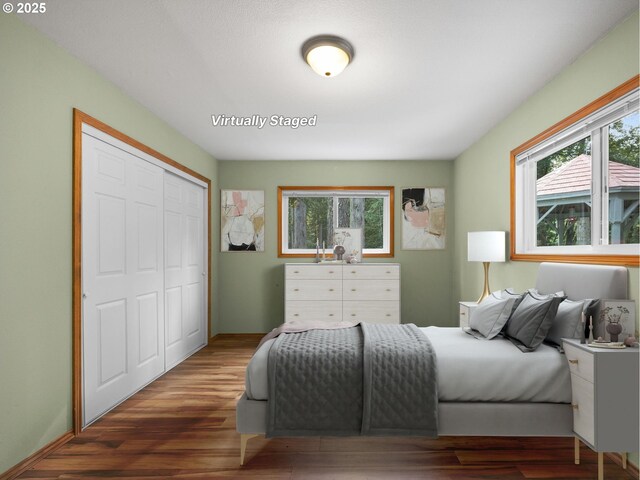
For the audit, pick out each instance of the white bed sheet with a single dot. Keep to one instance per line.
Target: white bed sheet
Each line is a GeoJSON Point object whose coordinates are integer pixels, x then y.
{"type": "Point", "coordinates": [470, 370]}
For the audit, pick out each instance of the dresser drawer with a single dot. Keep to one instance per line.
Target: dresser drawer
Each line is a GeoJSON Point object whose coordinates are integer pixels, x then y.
{"type": "Point", "coordinates": [377, 272]}
{"type": "Point", "coordinates": [314, 290]}
{"type": "Point", "coordinates": [372, 312]}
{"type": "Point", "coordinates": [582, 394]}
{"type": "Point", "coordinates": [580, 362]}
{"type": "Point", "coordinates": [313, 272]}
{"type": "Point", "coordinates": [310, 310]}
{"type": "Point", "coordinates": [371, 290]}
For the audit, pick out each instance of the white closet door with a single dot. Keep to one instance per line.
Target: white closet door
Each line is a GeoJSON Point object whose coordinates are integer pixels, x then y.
{"type": "Point", "coordinates": [185, 281]}
{"type": "Point", "coordinates": [123, 275]}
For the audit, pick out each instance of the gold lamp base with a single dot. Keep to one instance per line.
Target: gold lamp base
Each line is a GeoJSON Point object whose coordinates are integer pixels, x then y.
{"type": "Point", "coordinates": [485, 292]}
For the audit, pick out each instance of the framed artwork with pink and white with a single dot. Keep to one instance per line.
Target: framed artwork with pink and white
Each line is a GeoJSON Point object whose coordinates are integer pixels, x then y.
{"type": "Point", "coordinates": [423, 218]}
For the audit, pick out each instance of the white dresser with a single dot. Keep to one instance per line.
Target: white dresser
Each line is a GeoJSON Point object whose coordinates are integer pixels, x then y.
{"type": "Point", "coordinates": [334, 292]}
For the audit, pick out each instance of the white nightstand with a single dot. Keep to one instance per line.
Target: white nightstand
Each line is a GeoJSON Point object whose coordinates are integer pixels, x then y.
{"type": "Point", "coordinates": [466, 310]}
{"type": "Point", "coordinates": [604, 388]}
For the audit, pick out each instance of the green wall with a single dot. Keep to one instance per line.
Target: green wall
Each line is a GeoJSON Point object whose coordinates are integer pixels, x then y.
{"type": "Point", "coordinates": [481, 173]}
{"type": "Point", "coordinates": [40, 84]}
{"type": "Point", "coordinates": [251, 284]}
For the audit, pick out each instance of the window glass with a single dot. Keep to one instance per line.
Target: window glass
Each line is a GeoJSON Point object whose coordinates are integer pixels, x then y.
{"type": "Point", "coordinates": [309, 216]}
{"type": "Point", "coordinates": [373, 222]}
{"type": "Point", "coordinates": [624, 181]}
{"type": "Point", "coordinates": [563, 196]}
{"type": "Point", "coordinates": [310, 220]}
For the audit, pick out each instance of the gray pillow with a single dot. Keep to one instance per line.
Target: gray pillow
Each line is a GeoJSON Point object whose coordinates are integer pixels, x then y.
{"type": "Point", "coordinates": [531, 321]}
{"type": "Point", "coordinates": [509, 293]}
{"type": "Point", "coordinates": [490, 315]}
{"type": "Point", "coordinates": [568, 321]}
{"type": "Point", "coordinates": [556, 294]}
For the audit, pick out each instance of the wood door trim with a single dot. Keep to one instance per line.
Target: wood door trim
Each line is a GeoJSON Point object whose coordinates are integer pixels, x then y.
{"type": "Point", "coordinates": [79, 118]}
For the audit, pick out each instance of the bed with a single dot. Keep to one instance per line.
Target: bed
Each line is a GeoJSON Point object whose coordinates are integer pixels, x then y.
{"type": "Point", "coordinates": [485, 388]}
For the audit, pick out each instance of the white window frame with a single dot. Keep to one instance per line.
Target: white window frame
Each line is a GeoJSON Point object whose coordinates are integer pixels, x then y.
{"type": "Point", "coordinates": [284, 193]}
{"type": "Point", "coordinates": [593, 121]}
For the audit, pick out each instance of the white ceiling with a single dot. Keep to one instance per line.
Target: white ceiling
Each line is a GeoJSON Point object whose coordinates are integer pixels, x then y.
{"type": "Point", "coordinates": [429, 77]}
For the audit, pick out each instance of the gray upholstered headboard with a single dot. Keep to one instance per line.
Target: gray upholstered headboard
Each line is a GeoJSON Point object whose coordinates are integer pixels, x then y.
{"type": "Point", "coordinates": [583, 281]}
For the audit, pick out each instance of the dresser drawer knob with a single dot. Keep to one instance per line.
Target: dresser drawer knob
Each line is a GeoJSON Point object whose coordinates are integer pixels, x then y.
{"type": "Point", "coordinates": [296, 314]}
{"type": "Point", "coordinates": [574, 406]}
{"type": "Point", "coordinates": [574, 362]}
{"type": "Point", "coordinates": [388, 289]}
{"type": "Point", "coordinates": [331, 289]}
{"type": "Point", "coordinates": [463, 313]}
{"type": "Point", "coordinates": [296, 289]}
{"type": "Point", "coordinates": [353, 271]}
{"type": "Point", "coordinates": [353, 289]}
{"type": "Point", "coordinates": [330, 271]}
{"type": "Point", "coordinates": [353, 314]}
{"type": "Point", "coordinates": [388, 271]}
{"type": "Point", "coordinates": [296, 271]}
{"type": "Point", "coordinates": [388, 315]}
{"type": "Point", "coordinates": [331, 314]}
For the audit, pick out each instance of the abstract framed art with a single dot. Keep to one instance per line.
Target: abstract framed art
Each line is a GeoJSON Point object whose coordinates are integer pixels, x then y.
{"type": "Point", "coordinates": [423, 218]}
{"type": "Point", "coordinates": [242, 220]}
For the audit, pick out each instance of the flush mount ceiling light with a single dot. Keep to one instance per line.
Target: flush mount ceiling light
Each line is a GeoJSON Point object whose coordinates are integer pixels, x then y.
{"type": "Point", "coordinates": [327, 55]}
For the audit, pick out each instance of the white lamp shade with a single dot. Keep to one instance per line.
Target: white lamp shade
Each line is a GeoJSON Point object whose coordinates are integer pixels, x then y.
{"type": "Point", "coordinates": [486, 246]}
{"type": "Point", "coordinates": [327, 60]}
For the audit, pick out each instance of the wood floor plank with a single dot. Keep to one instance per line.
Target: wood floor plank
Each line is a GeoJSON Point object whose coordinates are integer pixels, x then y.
{"type": "Point", "coordinates": [182, 426]}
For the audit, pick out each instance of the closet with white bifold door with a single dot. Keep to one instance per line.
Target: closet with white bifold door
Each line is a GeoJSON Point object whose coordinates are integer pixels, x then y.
{"type": "Point", "coordinates": [144, 274]}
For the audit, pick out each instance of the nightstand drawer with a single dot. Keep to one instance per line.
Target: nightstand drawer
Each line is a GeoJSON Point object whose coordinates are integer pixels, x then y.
{"type": "Point", "coordinates": [465, 312]}
{"type": "Point", "coordinates": [580, 362]}
{"type": "Point", "coordinates": [582, 395]}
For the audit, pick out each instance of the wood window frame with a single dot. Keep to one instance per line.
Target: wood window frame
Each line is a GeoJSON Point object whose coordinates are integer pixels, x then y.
{"type": "Point", "coordinates": [80, 118]}
{"type": "Point", "coordinates": [600, 259]}
{"type": "Point", "coordinates": [387, 188]}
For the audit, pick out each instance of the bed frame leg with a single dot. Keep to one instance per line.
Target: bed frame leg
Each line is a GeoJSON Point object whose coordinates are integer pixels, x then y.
{"type": "Point", "coordinates": [244, 438]}
{"type": "Point", "coordinates": [576, 450]}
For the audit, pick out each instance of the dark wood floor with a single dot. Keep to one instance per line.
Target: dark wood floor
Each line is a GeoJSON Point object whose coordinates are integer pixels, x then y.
{"type": "Point", "coordinates": [183, 426]}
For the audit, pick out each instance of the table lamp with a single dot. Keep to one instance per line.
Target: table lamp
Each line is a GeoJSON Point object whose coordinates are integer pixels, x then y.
{"type": "Point", "coordinates": [485, 247]}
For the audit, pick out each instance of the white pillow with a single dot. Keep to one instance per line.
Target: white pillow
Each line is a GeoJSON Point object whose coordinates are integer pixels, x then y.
{"type": "Point", "coordinates": [490, 315]}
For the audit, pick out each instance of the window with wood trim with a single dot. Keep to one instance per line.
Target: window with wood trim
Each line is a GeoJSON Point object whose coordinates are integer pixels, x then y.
{"type": "Point", "coordinates": [310, 216]}
{"type": "Point", "coordinates": [576, 187]}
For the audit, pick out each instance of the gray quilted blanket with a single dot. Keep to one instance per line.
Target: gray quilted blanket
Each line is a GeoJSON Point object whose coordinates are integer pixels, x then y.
{"type": "Point", "coordinates": [364, 380]}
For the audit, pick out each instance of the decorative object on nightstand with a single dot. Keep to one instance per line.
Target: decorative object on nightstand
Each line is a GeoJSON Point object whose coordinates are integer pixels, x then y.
{"type": "Point", "coordinates": [466, 311]}
{"type": "Point", "coordinates": [485, 247]}
{"type": "Point", "coordinates": [600, 393]}
{"type": "Point", "coordinates": [616, 320]}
